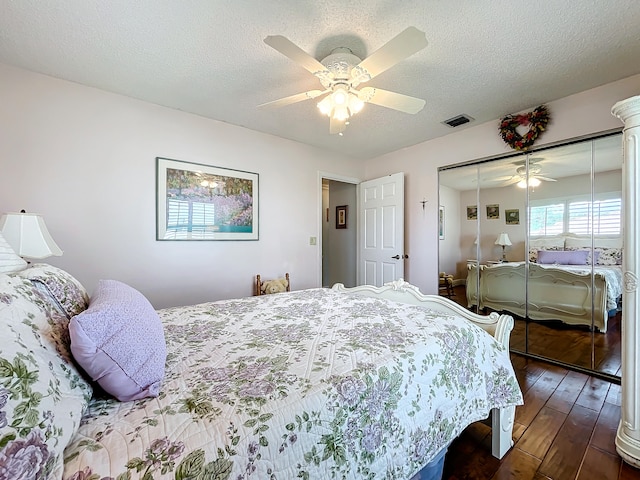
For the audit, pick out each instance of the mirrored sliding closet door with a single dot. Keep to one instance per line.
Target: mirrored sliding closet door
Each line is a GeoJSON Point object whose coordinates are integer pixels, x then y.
{"type": "Point", "coordinates": [539, 236]}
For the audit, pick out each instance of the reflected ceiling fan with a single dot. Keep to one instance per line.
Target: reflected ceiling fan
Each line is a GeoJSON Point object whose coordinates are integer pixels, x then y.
{"type": "Point", "coordinates": [342, 72]}
{"type": "Point", "coordinates": [535, 175]}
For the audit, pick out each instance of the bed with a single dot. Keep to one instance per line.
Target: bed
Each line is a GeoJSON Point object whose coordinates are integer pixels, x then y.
{"type": "Point", "coordinates": [545, 292]}
{"type": "Point", "coordinates": [350, 383]}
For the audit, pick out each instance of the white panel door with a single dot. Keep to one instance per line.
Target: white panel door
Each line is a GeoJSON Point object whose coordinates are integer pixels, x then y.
{"type": "Point", "coordinates": [381, 230]}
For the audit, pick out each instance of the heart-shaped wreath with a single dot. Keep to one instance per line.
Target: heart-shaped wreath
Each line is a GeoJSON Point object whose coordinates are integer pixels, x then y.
{"type": "Point", "coordinates": [537, 121]}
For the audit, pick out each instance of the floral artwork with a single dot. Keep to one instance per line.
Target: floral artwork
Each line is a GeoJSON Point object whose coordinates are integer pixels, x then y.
{"type": "Point", "coordinates": [201, 202]}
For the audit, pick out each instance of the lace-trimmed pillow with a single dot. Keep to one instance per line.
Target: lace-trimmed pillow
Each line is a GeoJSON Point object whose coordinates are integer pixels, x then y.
{"type": "Point", "coordinates": [42, 394]}
{"type": "Point", "coordinates": [609, 256]}
{"type": "Point", "coordinates": [67, 293]}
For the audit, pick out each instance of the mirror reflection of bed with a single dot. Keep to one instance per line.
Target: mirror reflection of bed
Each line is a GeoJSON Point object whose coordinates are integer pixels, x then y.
{"type": "Point", "coordinates": [567, 302]}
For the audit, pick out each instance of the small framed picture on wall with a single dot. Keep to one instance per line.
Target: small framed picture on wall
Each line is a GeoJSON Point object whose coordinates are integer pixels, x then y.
{"type": "Point", "coordinates": [472, 212]}
{"type": "Point", "coordinates": [493, 211]}
{"type": "Point", "coordinates": [441, 223]}
{"type": "Point", "coordinates": [341, 216]}
{"type": "Point", "coordinates": [512, 217]}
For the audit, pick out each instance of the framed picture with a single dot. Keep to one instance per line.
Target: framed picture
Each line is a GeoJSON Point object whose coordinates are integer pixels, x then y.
{"type": "Point", "coordinates": [441, 222]}
{"type": "Point", "coordinates": [472, 212]}
{"type": "Point", "coordinates": [201, 202]}
{"type": "Point", "coordinates": [512, 217]}
{"type": "Point", "coordinates": [493, 211]}
{"type": "Point", "coordinates": [341, 216]}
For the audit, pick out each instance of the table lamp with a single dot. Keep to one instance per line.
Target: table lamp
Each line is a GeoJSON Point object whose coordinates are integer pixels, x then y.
{"type": "Point", "coordinates": [503, 241]}
{"type": "Point", "coordinates": [28, 235]}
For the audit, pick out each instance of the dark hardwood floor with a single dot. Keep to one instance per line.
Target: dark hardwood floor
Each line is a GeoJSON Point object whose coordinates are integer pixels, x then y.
{"type": "Point", "coordinates": [564, 431]}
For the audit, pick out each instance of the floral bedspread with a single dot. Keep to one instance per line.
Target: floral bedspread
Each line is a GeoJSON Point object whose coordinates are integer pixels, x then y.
{"type": "Point", "coordinates": [312, 384]}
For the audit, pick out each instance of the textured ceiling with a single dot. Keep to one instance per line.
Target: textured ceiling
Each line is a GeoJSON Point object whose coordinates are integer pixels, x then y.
{"type": "Point", "coordinates": [485, 58]}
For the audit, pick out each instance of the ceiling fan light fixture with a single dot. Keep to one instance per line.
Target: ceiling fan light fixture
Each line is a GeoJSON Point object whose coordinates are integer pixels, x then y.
{"type": "Point", "coordinates": [340, 95]}
{"type": "Point", "coordinates": [341, 72]}
{"type": "Point", "coordinates": [355, 104]}
{"type": "Point", "coordinates": [340, 113]}
{"type": "Point", "coordinates": [341, 104]}
{"type": "Point", "coordinates": [532, 182]}
{"type": "Point", "coordinates": [325, 106]}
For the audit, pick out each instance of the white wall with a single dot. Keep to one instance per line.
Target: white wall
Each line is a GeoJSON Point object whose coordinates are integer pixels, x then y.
{"type": "Point", "coordinates": [85, 159]}
{"type": "Point", "coordinates": [450, 244]}
{"type": "Point", "coordinates": [585, 113]}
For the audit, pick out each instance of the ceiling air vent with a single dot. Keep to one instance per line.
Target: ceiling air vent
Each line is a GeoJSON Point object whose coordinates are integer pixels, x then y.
{"type": "Point", "coordinates": [457, 121]}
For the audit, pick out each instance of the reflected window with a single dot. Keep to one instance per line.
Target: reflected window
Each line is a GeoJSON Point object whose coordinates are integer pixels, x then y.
{"type": "Point", "coordinates": [547, 220]}
{"type": "Point", "coordinates": [605, 217]}
{"type": "Point", "coordinates": [577, 216]}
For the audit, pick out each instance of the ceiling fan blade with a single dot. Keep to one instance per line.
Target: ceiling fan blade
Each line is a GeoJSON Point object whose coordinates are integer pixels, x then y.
{"type": "Point", "coordinates": [502, 179]}
{"type": "Point", "coordinates": [403, 45]}
{"type": "Point", "coordinates": [295, 53]}
{"type": "Point", "coordinates": [299, 97]}
{"type": "Point", "coordinates": [336, 126]}
{"type": "Point", "coordinates": [393, 100]}
{"type": "Point", "coordinates": [546, 179]}
{"type": "Point", "coordinates": [511, 181]}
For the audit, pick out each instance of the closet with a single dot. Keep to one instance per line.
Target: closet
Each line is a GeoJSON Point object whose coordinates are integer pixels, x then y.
{"type": "Point", "coordinates": [538, 235]}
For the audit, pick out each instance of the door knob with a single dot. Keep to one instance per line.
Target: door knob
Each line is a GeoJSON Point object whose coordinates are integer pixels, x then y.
{"type": "Point", "coordinates": [398, 257]}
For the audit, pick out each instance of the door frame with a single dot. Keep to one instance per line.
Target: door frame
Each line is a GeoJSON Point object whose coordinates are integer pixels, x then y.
{"type": "Point", "coordinates": [338, 178]}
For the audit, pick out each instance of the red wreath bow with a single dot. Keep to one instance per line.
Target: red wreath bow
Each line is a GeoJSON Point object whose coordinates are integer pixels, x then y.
{"type": "Point", "coordinates": [537, 121]}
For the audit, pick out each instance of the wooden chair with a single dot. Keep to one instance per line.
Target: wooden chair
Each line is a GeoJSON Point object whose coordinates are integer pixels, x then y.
{"type": "Point", "coordinates": [445, 284]}
{"type": "Point", "coordinates": [264, 287]}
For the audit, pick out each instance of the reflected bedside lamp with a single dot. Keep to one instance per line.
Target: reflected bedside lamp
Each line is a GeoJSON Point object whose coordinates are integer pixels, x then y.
{"type": "Point", "coordinates": [28, 235]}
{"type": "Point", "coordinates": [503, 241]}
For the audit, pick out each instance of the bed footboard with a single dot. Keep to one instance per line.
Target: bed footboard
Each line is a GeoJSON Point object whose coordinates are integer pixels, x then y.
{"type": "Point", "coordinates": [553, 293]}
{"type": "Point", "coordinates": [497, 325]}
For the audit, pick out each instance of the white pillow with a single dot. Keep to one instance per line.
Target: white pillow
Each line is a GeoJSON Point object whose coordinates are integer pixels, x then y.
{"type": "Point", "coordinates": [607, 242]}
{"type": "Point", "coordinates": [9, 260]}
{"type": "Point", "coordinates": [585, 242]}
{"type": "Point", "coordinates": [547, 243]}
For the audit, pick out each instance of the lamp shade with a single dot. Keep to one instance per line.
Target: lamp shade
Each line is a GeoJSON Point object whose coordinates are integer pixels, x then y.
{"type": "Point", "coordinates": [28, 235]}
{"type": "Point", "coordinates": [503, 239]}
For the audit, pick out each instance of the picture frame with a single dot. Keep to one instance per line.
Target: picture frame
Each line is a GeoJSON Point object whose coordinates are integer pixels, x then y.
{"type": "Point", "coordinates": [493, 211]}
{"type": "Point", "coordinates": [341, 216]}
{"type": "Point", "coordinates": [512, 216]}
{"type": "Point", "coordinates": [203, 202]}
{"type": "Point", "coordinates": [472, 212]}
{"type": "Point", "coordinates": [441, 222]}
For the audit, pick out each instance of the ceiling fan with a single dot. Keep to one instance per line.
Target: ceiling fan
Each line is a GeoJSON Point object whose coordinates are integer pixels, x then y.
{"type": "Point", "coordinates": [342, 72]}
{"type": "Point", "coordinates": [535, 174]}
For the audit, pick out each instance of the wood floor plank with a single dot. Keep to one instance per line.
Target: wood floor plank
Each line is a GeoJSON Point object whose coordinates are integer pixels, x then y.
{"type": "Point", "coordinates": [627, 472]}
{"type": "Point", "coordinates": [538, 437]}
{"type": "Point", "coordinates": [568, 391]}
{"type": "Point", "coordinates": [604, 434]}
{"type": "Point", "coordinates": [599, 465]}
{"type": "Point", "coordinates": [517, 465]}
{"type": "Point", "coordinates": [615, 395]}
{"type": "Point", "coordinates": [537, 396]}
{"type": "Point", "coordinates": [593, 393]}
{"type": "Point", "coordinates": [565, 454]}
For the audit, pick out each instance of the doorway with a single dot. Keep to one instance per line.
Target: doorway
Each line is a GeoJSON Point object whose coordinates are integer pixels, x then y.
{"type": "Point", "coordinates": [339, 240]}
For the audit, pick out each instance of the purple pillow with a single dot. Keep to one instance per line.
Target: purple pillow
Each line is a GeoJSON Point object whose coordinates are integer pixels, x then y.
{"type": "Point", "coordinates": [119, 342]}
{"type": "Point", "coordinates": [563, 257]}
